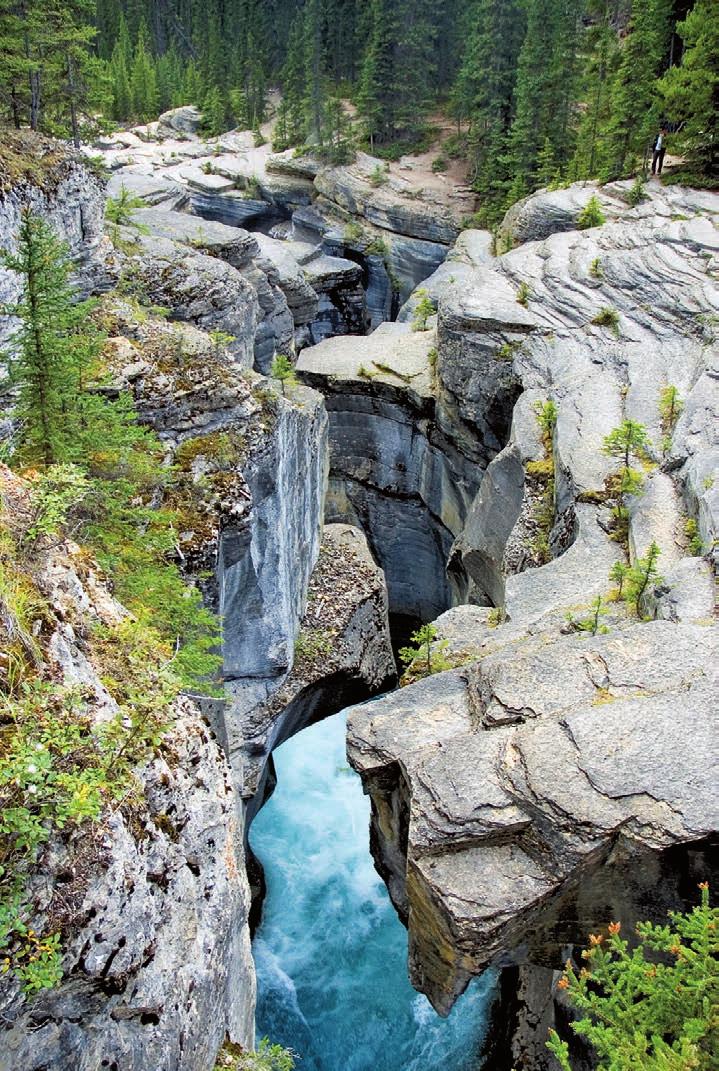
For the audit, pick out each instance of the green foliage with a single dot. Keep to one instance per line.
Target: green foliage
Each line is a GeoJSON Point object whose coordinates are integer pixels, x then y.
{"type": "Point", "coordinates": [628, 440]}
{"type": "Point", "coordinates": [267, 1057]}
{"type": "Point", "coordinates": [546, 413]}
{"type": "Point", "coordinates": [426, 655]}
{"type": "Point", "coordinates": [592, 624]}
{"type": "Point", "coordinates": [284, 370]}
{"type": "Point", "coordinates": [670, 409]}
{"type": "Point", "coordinates": [313, 644]}
{"type": "Point", "coordinates": [56, 492]}
{"type": "Point", "coordinates": [652, 1006]}
{"type": "Point", "coordinates": [591, 215]}
{"type": "Point", "coordinates": [424, 308]}
{"type": "Point", "coordinates": [379, 176]}
{"type": "Point", "coordinates": [353, 232]}
{"type": "Point", "coordinates": [118, 210]}
{"type": "Point", "coordinates": [439, 164]}
{"type": "Point", "coordinates": [607, 317]}
{"type": "Point", "coordinates": [689, 90]}
{"type": "Point", "coordinates": [524, 293]}
{"type": "Point", "coordinates": [693, 536]}
{"type": "Point", "coordinates": [100, 479]}
{"type": "Point", "coordinates": [637, 193]}
{"type": "Point", "coordinates": [58, 769]}
{"type": "Point", "coordinates": [595, 269]}
{"type": "Point", "coordinates": [618, 574]}
{"type": "Point", "coordinates": [53, 350]}
{"type": "Point", "coordinates": [642, 577]}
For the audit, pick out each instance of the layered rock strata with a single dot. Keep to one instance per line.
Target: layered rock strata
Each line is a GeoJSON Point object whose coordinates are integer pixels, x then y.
{"type": "Point", "coordinates": [565, 776]}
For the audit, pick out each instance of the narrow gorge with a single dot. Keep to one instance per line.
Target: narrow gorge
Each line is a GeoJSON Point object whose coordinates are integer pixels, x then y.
{"type": "Point", "coordinates": [557, 772]}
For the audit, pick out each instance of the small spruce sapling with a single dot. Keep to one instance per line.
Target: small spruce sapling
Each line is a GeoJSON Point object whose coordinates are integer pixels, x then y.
{"type": "Point", "coordinates": [423, 310]}
{"type": "Point", "coordinates": [618, 574]}
{"type": "Point", "coordinates": [524, 293]}
{"type": "Point", "coordinates": [591, 215]}
{"type": "Point", "coordinates": [642, 576]}
{"type": "Point", "coordinates": [670, 409]}
{"type": "Point", "coordinates": [427, 651]}
{"type": "Point", "coordinates": [627, 440]}
{"type": "Point", "coordinates": [283, 369]}
{"type": "Point", "coordinates": [637, 193]}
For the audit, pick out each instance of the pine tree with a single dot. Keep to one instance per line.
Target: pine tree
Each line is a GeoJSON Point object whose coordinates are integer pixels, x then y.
{"type": "Point", "coordinates": [143, 78]}
{"type": "Point", "coordinates": [315, 80]}
{"type": "Point", "coordinates": [691, 91]}
{"type": "Point", "coordinates": [634, 100]}
{"type": "Point", "coordinates": [544, 90]}
{"type": "Point", "coordinates": [293, 84]}
{"type": "Point", "coordinates": [214, 114]}
{"type": "Point", "coordinates": [375, 96]}
{"type": "Point", "coordinates": [484, 92]}
{"type": "Point", "coordinates": [601, 56]}
{"type": "Point", "coordinates": [51, 351]}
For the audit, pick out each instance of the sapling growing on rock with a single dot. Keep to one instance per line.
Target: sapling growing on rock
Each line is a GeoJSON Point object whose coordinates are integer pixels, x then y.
{"type": "Point", "coordinates": [423, 310]}
{"type": "Point", "coordinates": [626, 441]}
{"type": "Point", "coordinates": [283, 369]}
{"type": "Point", "coordinates": [591, 215]}
{"type": "Point", "coordinates": [593, 623]}
{"type": "Point", "coordinates": [524, 293]}
{"type": "Point", "coordinates": [607, 317]}
{"type": "Point", "coordinates": [618, 574]}
{"type": "Point", "coordinates": [670, 409]}
{"type": "Point", "coordinates": [642, 576]}
{"type": "Point", "coordinates": [427, 651]}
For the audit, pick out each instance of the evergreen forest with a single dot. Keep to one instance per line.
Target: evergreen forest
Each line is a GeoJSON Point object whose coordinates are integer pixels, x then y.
{"type": "Point", "coordinates": [540, 91]}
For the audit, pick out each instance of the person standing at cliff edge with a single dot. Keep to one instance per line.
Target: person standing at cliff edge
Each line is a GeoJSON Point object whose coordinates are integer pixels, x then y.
{"type": "Point", "coordinates": [658, 151]}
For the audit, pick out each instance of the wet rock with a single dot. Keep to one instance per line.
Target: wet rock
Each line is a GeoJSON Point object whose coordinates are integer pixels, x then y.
{"type": "Point", "coordinates": [342, 654]}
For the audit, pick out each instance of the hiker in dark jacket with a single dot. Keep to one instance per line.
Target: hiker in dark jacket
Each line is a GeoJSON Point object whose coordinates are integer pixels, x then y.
{"type": "Point", "coordinates": [658, 151]}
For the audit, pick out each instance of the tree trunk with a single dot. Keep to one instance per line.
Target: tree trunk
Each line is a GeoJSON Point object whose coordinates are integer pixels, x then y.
{"type": "Point", "coordinates": [71, 90]}
{"type": "Point", "coordinates": [34, 99]}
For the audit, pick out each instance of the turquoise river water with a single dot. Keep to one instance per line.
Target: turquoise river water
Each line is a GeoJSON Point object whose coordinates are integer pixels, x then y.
{"type": "Point", "coordinates": [331, 953]}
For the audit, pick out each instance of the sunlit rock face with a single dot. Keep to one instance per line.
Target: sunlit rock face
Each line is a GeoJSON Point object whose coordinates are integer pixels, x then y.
{"type": "Point", "coordinates": [564, 776]}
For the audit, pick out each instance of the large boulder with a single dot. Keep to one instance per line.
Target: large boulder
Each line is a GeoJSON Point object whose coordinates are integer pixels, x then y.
{"type": "Point", "coordinates": [184, 121]}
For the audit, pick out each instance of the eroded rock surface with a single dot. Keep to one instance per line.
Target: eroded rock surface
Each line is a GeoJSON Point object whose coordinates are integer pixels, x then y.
{"type": "Point", "coordinates": [152, 900]}
{"type": "Point", "coordinates": [564, 776]}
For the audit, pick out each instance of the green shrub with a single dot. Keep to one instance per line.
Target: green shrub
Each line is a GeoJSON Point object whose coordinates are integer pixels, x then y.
{"type": "Point", "coordinates": [379, 176]}
{"type": "Point", "coordinates": [591, 215]}
{"type": "Point", "coordinates": [637, 193]}
{"type": "Point", "coordinates": [439, 164]}
{"type": "Point", "coordinates": [426, 655]}
{"type": "Point", "coordinates": [652, 1006]}
{"type": "Point", "coordinates": [595, 269]}
{"type": "Point", "coordinates": [642, 577]}
{"type": "Point", "coordinates": [607, 317]}
{"type": "Point", "coordinates": [267, 1057]}
{"type": "Point", "coordinates": [284, 370]}
{"type": "Point", "coordinates": [524, 293]}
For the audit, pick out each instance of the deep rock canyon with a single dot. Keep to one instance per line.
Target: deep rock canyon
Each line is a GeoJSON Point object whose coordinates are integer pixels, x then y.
{"type": "Point", "coordinates": [552, 780]}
